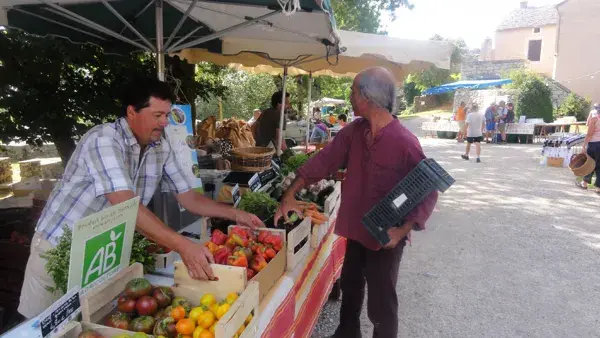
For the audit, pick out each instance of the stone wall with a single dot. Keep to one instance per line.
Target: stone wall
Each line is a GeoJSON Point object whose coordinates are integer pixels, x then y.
{"type": "Point", "coordinates": [483, 98]}
{"type": "Point", "coordinates": [484, 70]}
{"type": "Point", "coordinates": [425, 102]}
{"type": "Point", "coordinates": [559, 92]}
{"type": "Point", "coordinates": [27, 152]}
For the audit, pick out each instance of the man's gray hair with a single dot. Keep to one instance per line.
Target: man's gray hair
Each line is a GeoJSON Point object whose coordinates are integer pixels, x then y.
{"type": "Point", "coordinates": [378, 86]}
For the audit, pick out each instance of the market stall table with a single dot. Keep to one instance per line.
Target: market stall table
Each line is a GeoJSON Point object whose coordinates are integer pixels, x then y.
{"type": "Point", "coordinates": [292, 306]}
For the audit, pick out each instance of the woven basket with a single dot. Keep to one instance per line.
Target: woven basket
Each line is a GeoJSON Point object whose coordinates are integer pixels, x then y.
{"type": "Point", "coordinates": [252, 159]}
{"type": "Point", "coordinates": [582, 164]}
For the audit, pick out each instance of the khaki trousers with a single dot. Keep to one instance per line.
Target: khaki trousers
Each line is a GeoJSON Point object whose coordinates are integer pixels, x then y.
{"type": "Point", "coordinates": [34, 296]}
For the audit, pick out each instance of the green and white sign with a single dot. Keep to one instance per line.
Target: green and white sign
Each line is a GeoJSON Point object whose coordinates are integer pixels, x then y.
{"type": "Point", "coordinates": [101, 245]}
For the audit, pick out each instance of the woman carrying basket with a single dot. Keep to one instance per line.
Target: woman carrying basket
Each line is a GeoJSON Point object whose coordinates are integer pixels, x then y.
{"type": "Point", "coordinates": [591, 144]}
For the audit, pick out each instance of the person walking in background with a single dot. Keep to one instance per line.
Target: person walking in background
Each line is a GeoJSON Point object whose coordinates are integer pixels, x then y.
{"type": "Point", "coordinates": [490, 122]}
{"type": "Point", "coordinates": [461, 115]}
{"type": "Point", "coordinates": [474, 126]}
{"type": "Point", "coordinates": [501, 115]}
{"type": "Point", "coordinates": [591, 144]}
{"type": "Point", "coordinates": [365, 146]}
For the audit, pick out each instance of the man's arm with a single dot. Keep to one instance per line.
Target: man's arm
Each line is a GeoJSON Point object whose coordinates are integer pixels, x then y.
{"type": "Point", "coordinates": [198, 204]}
{"type": "Point", "coordinates": [327, 161]}
{"type": "Point", "coordinates": [106, 166]}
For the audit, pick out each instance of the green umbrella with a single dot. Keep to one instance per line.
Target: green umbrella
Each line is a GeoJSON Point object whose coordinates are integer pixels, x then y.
{"type": "Point", "coordinates": [164, 26]}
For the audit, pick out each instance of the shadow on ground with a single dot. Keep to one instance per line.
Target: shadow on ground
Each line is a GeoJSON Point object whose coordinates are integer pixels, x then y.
{"type": "Point", "coordinates": [512, 250]}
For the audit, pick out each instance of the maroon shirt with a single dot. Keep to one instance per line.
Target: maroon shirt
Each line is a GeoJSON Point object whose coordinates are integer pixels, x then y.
{"type": "Point", "coordinates": [372, 172]}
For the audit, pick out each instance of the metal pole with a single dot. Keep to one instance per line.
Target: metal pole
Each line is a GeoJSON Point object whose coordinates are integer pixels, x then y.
{"type": "Point", "coordinates": [281, 117]}
{"type": "Point", "coordinates": [180, 23]}
{"type": "Point", "coordinates": [250, 22]}
{"type": "Point", "coordinates": [127, 24]}
{"type": "Point", "coordinates": [160, 53]}
{"type": "Point", "coordinates": [310, 80]}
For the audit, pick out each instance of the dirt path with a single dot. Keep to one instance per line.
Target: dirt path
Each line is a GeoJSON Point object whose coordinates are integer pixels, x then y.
{"type": "Point", "coordinates": [512, 250]}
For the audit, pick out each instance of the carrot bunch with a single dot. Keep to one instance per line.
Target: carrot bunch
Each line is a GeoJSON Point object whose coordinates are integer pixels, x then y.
{"type": "Point", "coordinates": [310, 210]}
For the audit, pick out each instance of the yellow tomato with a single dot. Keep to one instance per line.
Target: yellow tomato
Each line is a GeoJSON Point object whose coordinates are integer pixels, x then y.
{"type": "Point", "coordinates": [222, 310]}
{"type": "Point", "coordinates": [208, 300]}
{"type": "Point", "coordinates": [240, 330]}
{"type": "Point", "coordinates": [213, 308]}
{"type": "Point", "coordinates": [206, 319]}
{"type": "Point", "coordinates": [231, 298]}
{"type": "Point", "coordinates": [197, 332]}
{"type": "Point", "coordinates": [197, 311]}
{"type": "Point", "coordinates": [206, 334]}
{"type": "Point", "coordinates": [248, 319]}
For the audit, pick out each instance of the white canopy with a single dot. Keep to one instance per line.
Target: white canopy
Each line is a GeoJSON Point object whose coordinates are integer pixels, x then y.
{"type": "Point", "coordinates": [327, 101]}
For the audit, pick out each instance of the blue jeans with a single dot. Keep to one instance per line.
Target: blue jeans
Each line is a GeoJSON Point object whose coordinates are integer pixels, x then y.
{"type": "Point", "coordinates": [593, 150]}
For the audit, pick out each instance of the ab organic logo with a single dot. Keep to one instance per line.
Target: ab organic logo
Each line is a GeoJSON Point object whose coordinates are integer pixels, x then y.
{"type": "Point", "coordinates": [102, 254]}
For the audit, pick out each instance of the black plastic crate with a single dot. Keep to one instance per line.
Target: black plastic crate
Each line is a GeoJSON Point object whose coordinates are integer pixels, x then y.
{"type": "Point", "coordinates": [426, 177]}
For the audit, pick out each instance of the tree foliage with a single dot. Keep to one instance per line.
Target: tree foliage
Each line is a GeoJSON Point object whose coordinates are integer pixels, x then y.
{"type": "Point", "coordinates": [245, 92]}
{"type": "Point", "coordinates": [534, 100]}
{"type": "Point", "coordinates": [575, 105]}
{"type": "Point", "coordinates": [52, 90]}
{"type": "Point", "coordinates": [364, 15]}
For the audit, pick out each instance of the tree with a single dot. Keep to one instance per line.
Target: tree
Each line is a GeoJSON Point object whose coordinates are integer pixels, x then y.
{"type": "Point", "coordinates": [245, 92]}
{"type": "Point", "coordinates": [575, 105]}
{"type": "Point", "coordinates": [52, 90]}
{"type": "Point", "coordinates": [365, 15]}
{"type": "Point", "coordinates": [534, 100]}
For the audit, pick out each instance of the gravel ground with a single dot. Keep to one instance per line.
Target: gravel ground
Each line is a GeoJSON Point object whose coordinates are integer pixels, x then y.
{"type": "Point", "coordinates": [512, 250]}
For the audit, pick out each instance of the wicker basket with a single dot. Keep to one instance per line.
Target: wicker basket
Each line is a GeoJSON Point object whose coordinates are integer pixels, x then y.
{"type": "Point", "coordinates": [253, 159]}
{"type": "Point", "coordinates": [582, 164]}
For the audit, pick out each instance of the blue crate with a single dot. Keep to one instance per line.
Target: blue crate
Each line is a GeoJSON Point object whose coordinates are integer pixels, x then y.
{"type": "Point", "coordinates": [426, 177]}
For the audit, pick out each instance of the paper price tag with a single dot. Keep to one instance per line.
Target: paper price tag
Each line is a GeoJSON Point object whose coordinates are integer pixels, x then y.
{"type": "Point", "coordinates": [254, 183]}
{"type": "Point", "coordinates": [60, 313]}
{"type": "Point", "coordinates": [267, 175]}
{"type": "Point", "coordinates": [235, 195]}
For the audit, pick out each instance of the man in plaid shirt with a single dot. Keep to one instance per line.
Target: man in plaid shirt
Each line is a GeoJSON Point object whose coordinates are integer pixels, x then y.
{"type": "Point", "coordinates": [115, 162]}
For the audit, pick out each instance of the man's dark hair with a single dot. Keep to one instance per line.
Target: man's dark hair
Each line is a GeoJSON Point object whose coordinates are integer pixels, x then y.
{"type": "Point", "coordinates": [343, 117]}
{"type": "Point", "coordinates": [139, 92]}
{"type": "Point", "coordinates": [276, 98]}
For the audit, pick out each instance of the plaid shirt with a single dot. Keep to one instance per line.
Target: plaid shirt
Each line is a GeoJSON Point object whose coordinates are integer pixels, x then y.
{"type": "Point", "coordinates": [107, 159]}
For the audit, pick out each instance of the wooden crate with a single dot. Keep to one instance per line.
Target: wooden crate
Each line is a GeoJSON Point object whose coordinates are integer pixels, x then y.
{"type": "Point", "coordinates": [268, 276]}
{"type": "Point", "coordinates": [319, 231]}
{"type": "Point", "coordinates": [73, 329]}
{"type": "Point", "coordinates": [298, 244]}
{"type": "Point", "coordinates": [332, 199]}
{"type": "Point", "coordinates": [101, 301]}
{"type": "Point", "coordinates": [164, 260]}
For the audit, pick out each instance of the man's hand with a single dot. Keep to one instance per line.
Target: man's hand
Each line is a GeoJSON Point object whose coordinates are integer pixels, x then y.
{"type": "Point", "coordinates": [397, 234]}
{"type": "Point", "coordinates": [197, 259]}
{"type": "Point", "coordinates": [288, 203]}
{"type": "Point", "coordinates": [247, 219]}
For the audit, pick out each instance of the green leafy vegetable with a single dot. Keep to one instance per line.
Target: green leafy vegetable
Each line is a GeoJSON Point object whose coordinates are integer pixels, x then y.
{"type": "Point", "coordinates": [258, 203]}
{"type": "Point", "coordinates": [140, 253]}
{"type": "Point", "coordinates": [58, 259]}
{"type": "Point", "coordinates": [57, 263]}
{"type": "Point", "coordinates": [294, 163]}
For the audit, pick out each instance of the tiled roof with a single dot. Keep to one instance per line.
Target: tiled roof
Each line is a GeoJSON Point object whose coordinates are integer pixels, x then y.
{"type": "Point", "coordinates": [530, 17]}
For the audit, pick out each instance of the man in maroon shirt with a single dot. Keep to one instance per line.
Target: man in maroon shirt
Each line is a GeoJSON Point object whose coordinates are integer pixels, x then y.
{"type": "Point", "coordinates": [378, 152]}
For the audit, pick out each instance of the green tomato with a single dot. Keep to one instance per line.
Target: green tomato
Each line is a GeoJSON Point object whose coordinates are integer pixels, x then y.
{"type": "Point", "coordinates": [140, 335]}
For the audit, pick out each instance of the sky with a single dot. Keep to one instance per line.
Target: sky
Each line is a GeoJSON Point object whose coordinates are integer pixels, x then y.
{"type": "Point", "coordinates": [472, 20]}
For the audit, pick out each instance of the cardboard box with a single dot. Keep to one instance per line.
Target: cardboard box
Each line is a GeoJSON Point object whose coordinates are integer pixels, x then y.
{"type": "Point", "coordinates": [100, 302]}
{"type": "Point", "coordinates": [555, 162]}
